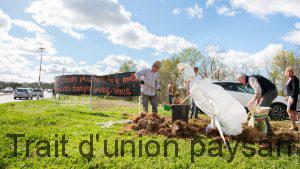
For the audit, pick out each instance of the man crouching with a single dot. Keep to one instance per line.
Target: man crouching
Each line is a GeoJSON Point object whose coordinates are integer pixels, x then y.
{"type": "Point", "coordinates": [264, 92]}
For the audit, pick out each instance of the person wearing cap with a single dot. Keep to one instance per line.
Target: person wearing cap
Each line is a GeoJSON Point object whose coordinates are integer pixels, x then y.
{"type": "Point", "coordinates": [195, 110]}
{"type": "Point", "coordinates": [150, 84]}
{"type": "Point", "coordinates": [264, 92]}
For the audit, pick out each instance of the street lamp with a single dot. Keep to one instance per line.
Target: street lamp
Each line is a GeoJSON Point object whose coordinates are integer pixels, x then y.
{"type": "Point", "coordinates": [39, 85]}
{"type": "Point", "coordinates": [64, 69]}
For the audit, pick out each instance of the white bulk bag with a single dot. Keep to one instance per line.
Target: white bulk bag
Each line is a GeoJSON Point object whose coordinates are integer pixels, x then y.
{"type": "Point", "coordinates": [220, 105]}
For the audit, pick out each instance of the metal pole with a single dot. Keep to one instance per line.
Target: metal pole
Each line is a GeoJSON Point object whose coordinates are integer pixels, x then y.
{"type": "Point", "coordinates": [64, 77]}
{"type": "Point", "coordinates": [139, 104]}
{"type": "Point", "coordinates": [39, 84]}
{"type": "Point", "coordinates": [90, 102]}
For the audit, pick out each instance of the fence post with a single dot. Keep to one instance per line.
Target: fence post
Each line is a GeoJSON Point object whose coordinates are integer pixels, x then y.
{"type": "Point", "coordinates": [90, 102]}
{"type": "Point", "coordinates": [139, 104]}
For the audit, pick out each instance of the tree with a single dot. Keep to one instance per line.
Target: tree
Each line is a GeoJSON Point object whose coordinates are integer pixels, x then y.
{"type": "Point", "coordinates": [279, 63]}
{"type": "Point", "coordinates": [168, 71]}
{"type": "Point", "coordinates": [190, 56]}
{"type": "Point", "coordinates": [212, 64]}
{"type": "Point", "coordinates": [127, 66]}
{"type": "Point", "coordinates": [273, 73]}
{"type": "Point", "coordinates": [249, 67]}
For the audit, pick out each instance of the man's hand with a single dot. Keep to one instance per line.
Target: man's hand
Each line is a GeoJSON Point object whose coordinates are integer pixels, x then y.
{"type": "Point", "coordinates": [291, 100]}
{"type": "Point", "coordinates": [258, 101]}
{"type": "Point", "coordinates": [286, 98]}
{"type": "Point", "coordinates": [250, 103]}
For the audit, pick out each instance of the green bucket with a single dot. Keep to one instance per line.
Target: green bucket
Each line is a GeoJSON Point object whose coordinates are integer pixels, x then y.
{"type": "Point", "coordinates": [167, 107]}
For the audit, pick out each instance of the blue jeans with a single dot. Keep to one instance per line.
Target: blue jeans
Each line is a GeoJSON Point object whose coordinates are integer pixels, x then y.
{"type": "Point", "coordinates": [195, 110]}
{"type": "Point", "coordinates": [170, 99]}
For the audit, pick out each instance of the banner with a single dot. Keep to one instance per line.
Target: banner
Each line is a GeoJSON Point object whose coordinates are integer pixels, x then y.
{"type": "Point", "coordinates": [120, 84]}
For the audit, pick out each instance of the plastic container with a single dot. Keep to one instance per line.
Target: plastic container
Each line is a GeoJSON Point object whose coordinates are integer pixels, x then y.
{"type": "Point", "coordinates": [167, 107]}
{"type": "Point", "coordinates": [180, 112]}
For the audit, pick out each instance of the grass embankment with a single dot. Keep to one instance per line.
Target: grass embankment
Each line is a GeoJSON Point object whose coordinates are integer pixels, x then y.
{"type": "Point", "coordinates": [41, 120]}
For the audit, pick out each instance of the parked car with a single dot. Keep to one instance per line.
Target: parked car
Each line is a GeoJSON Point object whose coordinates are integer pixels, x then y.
{"type": "Point", "coordinates": [244, 93]}
{"type": "Point", "coordinates": [8, 90]}
{"type": "Point", "coordinates": [23, 93]}
{"type": "Point", "coordinates": [38, 92]}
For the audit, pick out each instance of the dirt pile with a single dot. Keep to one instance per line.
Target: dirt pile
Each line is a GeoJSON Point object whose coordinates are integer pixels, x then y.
{"type": "Point", "coordinates": [251, 134]}
{"type": "Point", "coordinates": [145, 123]}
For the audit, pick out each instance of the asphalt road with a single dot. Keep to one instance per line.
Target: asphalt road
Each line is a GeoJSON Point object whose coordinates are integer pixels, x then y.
{"type": "Point", "coordinates": [6, 98]}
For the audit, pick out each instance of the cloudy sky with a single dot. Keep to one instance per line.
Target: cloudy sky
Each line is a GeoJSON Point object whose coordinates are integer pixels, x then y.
{"type": "Point", "coordinates": [95, 36]}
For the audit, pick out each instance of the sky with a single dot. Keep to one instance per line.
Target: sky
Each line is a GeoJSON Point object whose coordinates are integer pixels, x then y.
{"type": "Point", "coordinates": [96, 36]}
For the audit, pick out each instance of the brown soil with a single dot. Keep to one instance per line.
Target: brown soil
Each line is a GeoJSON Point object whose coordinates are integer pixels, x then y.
{"type": "Point", "coordinates": [148, 123]}
{"type": "Point", "coordinates": [251, 134]}
{"type": "Point", "coordinates": [145, 123]}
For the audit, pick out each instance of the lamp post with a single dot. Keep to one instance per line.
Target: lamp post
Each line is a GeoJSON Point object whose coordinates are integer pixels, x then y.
{"type": "Point", "coordinates": [39, 85]}
{"type": "Point", "coordinates": [64, 69]}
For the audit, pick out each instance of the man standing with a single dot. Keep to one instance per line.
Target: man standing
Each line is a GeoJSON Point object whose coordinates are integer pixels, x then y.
{"type": "Point", "coordinates": [264, 92]}
{"type": "Point", "coordinates": [195, 109]}
{"type": "Point", "coordinates": [150, 83]}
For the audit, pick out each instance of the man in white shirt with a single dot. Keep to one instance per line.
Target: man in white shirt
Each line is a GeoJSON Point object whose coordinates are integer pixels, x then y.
{"type": "Point", "coordinates": [195, 110]}
{"type": "Point", "coordinates": [264, 92]}
{"type": "Point", "coordinates": [150, 83]}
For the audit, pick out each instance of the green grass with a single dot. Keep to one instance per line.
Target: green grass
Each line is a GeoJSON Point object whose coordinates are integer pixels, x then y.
{"type": "Point", "coordinates": [41, 120]}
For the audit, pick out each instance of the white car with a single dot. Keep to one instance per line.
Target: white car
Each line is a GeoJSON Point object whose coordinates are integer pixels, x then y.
{"type": "Point", "coordinates": [244, 93]}
{"type": "Point", "coordinates": [23, 93]}
{"type": "Point", "coordinates": [38, 93]}
{"type": "Point", "coordinates": [8, 90]}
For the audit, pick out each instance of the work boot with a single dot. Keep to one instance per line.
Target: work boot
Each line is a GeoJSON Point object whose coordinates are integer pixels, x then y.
{"type": "Point", "coordinates": [293, 128]}
{"type": "Point", "coordinates": [191, 115]}
{"type": "Point", "coordinates": [270, 133]}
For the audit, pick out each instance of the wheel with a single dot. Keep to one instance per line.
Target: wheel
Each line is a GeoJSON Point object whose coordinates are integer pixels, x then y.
{"type": "Point", "coordinates": [278, 112]}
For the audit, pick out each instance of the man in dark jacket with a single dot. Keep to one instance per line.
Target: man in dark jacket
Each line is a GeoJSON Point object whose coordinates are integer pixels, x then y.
{"type": "Point", "coordinates": [264, 92]}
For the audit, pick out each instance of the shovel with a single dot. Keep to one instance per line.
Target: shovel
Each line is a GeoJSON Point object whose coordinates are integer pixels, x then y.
{"type": "Point", "coordinates": [154, 88]}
